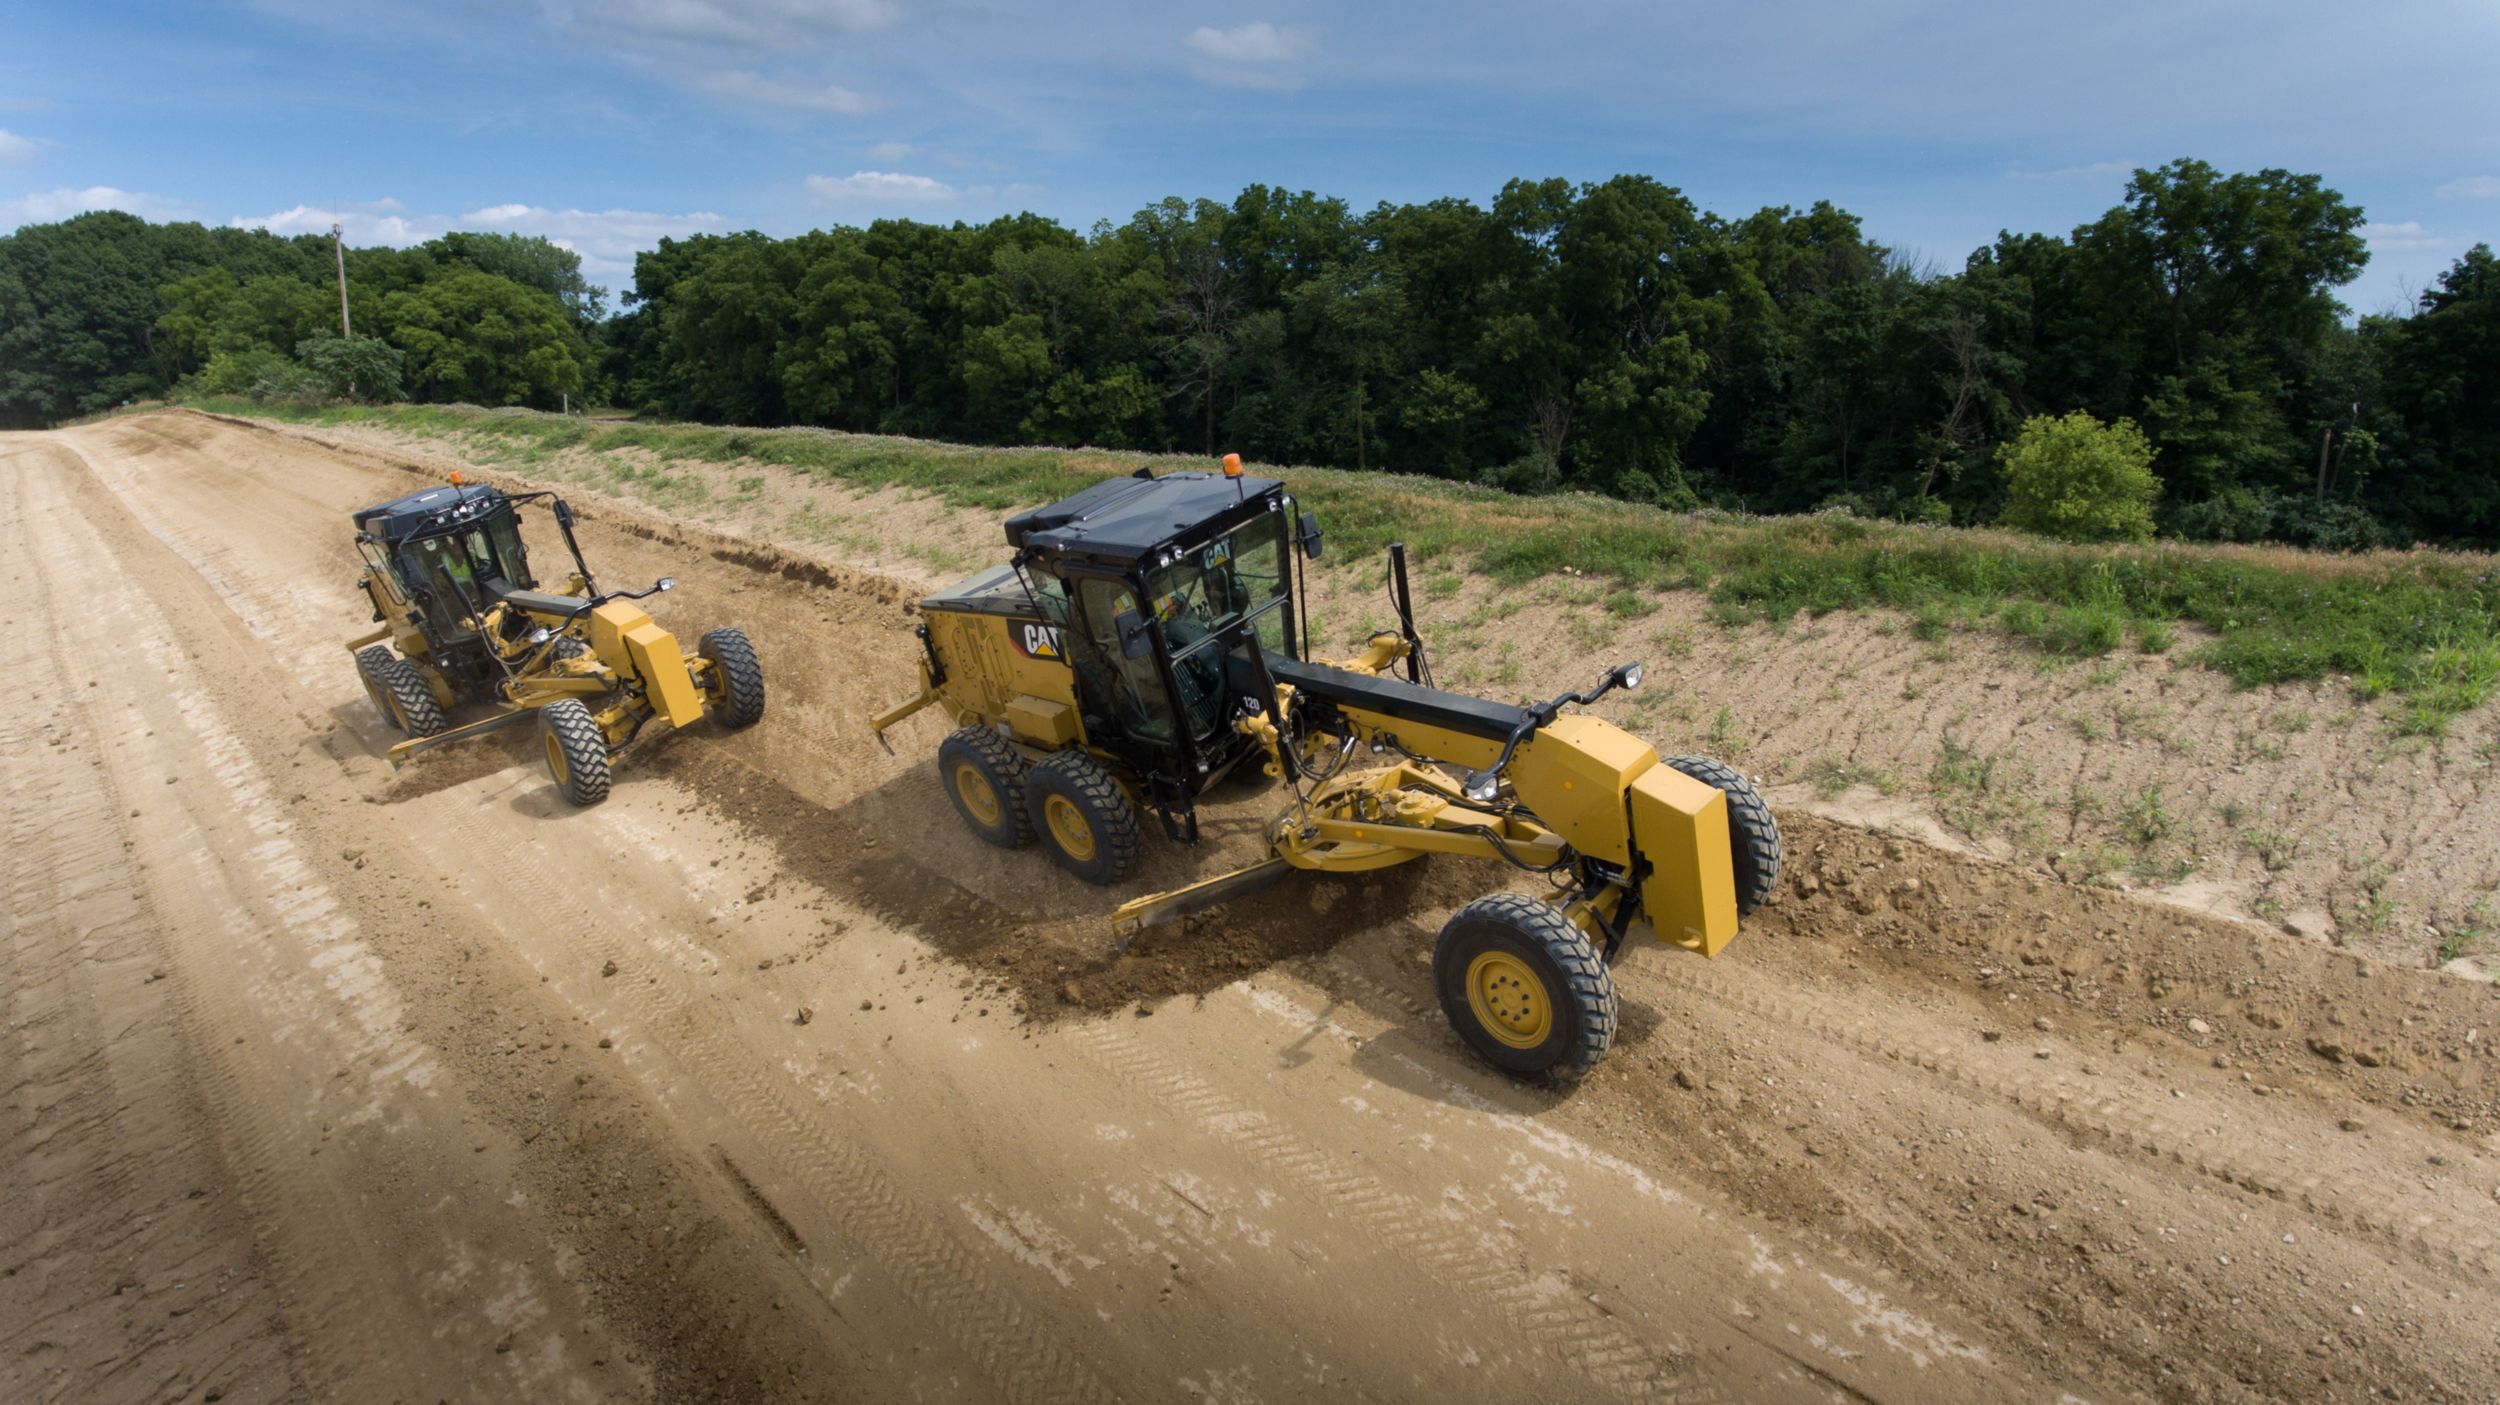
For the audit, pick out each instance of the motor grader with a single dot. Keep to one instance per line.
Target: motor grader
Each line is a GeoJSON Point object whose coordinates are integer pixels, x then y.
{"type": "Point", "coordinates": [1149, 635]}
{"type": "Point", "coordinates": [449, 578]}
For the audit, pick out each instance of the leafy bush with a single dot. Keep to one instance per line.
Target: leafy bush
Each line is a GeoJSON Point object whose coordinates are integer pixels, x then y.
{"type": "Point", "coordinates": [2328, 526]}
{"type": "Point", "coordinates": [2074, 477]}
{"type": "Point", "coordinates": [2242, 514]}
{"type": "Point", "coordinates": [235, 372]}
{"type": "Point", "coordinates": [353, 368]}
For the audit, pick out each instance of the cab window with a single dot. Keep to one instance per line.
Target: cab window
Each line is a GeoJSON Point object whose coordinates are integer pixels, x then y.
{"type": "Point", "coordinates": [1132, 690]}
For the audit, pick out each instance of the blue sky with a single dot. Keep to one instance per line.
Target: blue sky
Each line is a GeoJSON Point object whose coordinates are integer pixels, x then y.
{"type": "Point", "coordinates": [609, 123]}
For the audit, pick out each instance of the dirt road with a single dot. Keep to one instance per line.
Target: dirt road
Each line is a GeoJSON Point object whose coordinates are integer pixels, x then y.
{"type": "Point", "coordinates": [761, 1081]}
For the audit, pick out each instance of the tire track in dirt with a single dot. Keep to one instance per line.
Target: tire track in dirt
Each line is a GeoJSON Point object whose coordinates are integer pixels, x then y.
{"type": "Point", "coordinates": [2137, 1294]}
{"type": "Point", "coordinates": [1580, 1334]}
{"type": "Point", "coordinates": [105, 1090]}
{"type": "Point", "coordinates": [844, 1184]}
{"type": "Point", "coordinates": [2454, 1230]}
{"type": "Point", "coordinates": [349, 1337]}
{"type": "Point", "coordinates": [847, 1187]}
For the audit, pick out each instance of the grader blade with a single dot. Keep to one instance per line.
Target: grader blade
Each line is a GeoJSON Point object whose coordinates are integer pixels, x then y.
{"type": "Point", "coordinates": [1136, 916]}
{"type": "Point", "coordinates": [401, 751]}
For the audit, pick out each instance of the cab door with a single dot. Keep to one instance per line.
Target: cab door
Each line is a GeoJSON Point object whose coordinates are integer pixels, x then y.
{"type": "Point", "coordinates": [1126, 693]}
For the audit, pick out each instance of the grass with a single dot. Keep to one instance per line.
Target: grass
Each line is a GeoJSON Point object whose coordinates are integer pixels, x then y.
{"type": "Point", "coordinates": [2271, 847]}
{"type": "Point", "coordinates": [2419, 628]}
{"type": "Point", "coordinates": [2465, 935]}
{"type": "Point", "coordinates": [2144, 818]}
{"type": "Point", "coordinates": [1829, 775]}
{"type": "Point", "coordinates": [1979, 795]}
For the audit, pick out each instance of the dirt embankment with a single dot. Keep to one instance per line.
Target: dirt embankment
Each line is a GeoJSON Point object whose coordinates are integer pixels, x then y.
{"type": "Point", "coordinates": [762, 1081]}
{"type": "Point", "coordinates": [2295, 807]}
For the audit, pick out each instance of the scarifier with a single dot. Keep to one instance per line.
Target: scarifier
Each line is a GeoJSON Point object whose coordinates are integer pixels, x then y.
{"type": "Point", "coordinates": [1149, 635]}
{"type": "Point", "coordinates": [452, 592]}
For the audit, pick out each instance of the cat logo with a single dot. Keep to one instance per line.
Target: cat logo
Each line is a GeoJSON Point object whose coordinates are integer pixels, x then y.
{"type": "Point", "coordinates": [1037, 641]}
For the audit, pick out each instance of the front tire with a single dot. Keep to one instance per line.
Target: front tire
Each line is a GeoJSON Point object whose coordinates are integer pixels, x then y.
{"type": "Point", "coordinates": [1083, 817]}
{"type": "Point", "coordinates": [984, 776]}
{"type": "Point", "coordinates": [1524, 988]}
{"type": "Point", "coordinates": [577, 751]}
{"type": "Point", "coordinates": [399, 693]}
{"type": "Point", "coordinates": [1753, 837]}
{"type": "Point", "coordinates": [737, 690]}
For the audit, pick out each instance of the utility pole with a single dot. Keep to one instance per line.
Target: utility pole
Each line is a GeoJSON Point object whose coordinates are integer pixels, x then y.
{"type": "Point", "coordinates": [338, 246]}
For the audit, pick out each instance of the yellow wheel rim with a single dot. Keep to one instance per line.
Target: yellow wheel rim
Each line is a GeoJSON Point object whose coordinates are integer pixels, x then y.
{"type": "Point", "coordinates": [1068, 828]}
{"type": "Point", "coordinates": [979, 796]}
{"type": "Point", "coordinates": [555, 757]}
{"type": "Point", "coordinates": [1508, 999]}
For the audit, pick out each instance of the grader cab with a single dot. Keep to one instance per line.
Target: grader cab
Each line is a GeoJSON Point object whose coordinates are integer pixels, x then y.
{"type": "Point", "coordinates": [1150, 635]}
{"type": "Point", "coordinates": [461, 622]}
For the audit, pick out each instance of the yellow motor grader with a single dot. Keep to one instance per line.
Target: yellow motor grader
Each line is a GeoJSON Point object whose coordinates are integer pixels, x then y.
{"type": "Point", "coordinates": [452, 591]}
{"type": "Point", "coordinates": [1147, 637]}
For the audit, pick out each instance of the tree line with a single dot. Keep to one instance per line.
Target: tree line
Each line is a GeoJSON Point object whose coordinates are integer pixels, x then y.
{"type": "Point", "coordinates": [1609, 336]}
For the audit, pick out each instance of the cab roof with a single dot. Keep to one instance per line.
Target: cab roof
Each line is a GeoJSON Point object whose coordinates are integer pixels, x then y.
{"type": "Point", "coordinates": [1127, 519]}
{"type": "Point", "coordinates": [403, 517]}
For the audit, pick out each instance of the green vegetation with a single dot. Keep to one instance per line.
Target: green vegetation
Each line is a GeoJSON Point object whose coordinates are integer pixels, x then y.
{"type": "Point", "coordinates": [2423, 627]}
{"type": "Point", "coordinates": [2144, 817]}
{"type": "Point", "coordinates": [1830, 776]}
{"type": "Point", "coordinates": [1608, 338]}
{"type": "Point", "coordinates": [1981, 795]}
{"type": "Point", "coordinates": [2464, 936]}
{"type": "Point", "coordinates": [2073, 477]}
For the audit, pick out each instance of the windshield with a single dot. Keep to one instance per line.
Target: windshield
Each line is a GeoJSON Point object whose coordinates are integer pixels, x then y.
{"type": "Point", "coordinates": [1240, 574]}
{"type": "Point", "coordinates": [455, 566]}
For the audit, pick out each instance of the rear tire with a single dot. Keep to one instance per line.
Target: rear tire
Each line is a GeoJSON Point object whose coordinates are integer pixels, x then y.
{"type": "Point", "coordinates": [1523, 988]}
{"type": "Point", "coordinates": [984, 776]}
{"type": "Point", "coordinates": [737, 690]}
{"type": "Point", "coordinates": [577, 751]}
{"type": "Point", "coordinates": [1753, 837]}
{"type": "Point", "coordinates": [1083, 817]}
{"type": "Point", "coordinates": [399, 692]}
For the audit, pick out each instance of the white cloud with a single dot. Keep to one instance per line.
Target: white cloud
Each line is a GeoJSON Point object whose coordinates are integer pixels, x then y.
{"type": "Point", "coordinates": [16, 148]}
{"type": "Point", "coordinates": [2098, 170]}
{"type": "Point", "coordinates": [2404, 234]}
{"type": "Point", "coordinates": [607, 240]}
{"type": "Point", "coordinates": [46, 206]}
{"type": "Point", "coordinates": [745, 86]}
{"type": "Point", "coordinates": [745, 24]}
{"type": "Point", "coordinates": [1257, 42]}
{"type": "Point", "coordinates": [886, 187]}
{"type": "Point", "coordinates": [2471, 188]}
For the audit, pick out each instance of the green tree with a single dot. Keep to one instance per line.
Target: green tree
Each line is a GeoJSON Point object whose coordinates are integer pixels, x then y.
{"type": "Point", "coordinates": [486, 340]}
{"type": "Point", "coordinates": [2074, 477]}
{"type": "Point", "coordinates": [529, 260]}
{"type": "Point", "coordinates": [354, 368]}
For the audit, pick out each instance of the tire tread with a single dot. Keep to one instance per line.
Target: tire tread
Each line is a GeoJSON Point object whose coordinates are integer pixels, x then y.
{"type": "Point", "coordinates": [587, 775]}
{"type": "Point", "coordinates": [1590, 986]}
{"type": "Point", "coordinates": [742, 676]}
{"type": "Point", "coordinates": [1006, 767]}
{"type": "Point", "coordinates": [1753, 834]}
{"type": "Point", "coordinates": [423, 716]}
{"type": "Point", "coordinates": [1082, 779]}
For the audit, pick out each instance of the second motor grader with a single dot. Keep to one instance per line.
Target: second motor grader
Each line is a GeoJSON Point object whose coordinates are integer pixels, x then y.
{"type": "Point", "coordinates": [460, 621]}
{"type": "Point", "coordinates": [1147, 637]}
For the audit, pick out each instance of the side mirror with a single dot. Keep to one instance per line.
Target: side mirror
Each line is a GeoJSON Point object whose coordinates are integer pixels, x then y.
{"type": "Point", "coordinates": [564, 514]}
{"type": "Point", "coordinates": [1309, 537]}
{"type": "Point", "coordinates": [1135, 643]}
